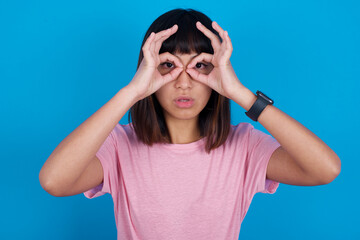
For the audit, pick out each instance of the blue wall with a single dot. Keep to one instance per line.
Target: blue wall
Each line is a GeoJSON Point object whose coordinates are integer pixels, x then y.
{"type": "Point", "coordinates": [61, 61]}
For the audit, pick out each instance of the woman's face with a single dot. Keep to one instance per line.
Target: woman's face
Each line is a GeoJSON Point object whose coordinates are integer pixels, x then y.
{"type": "Point", "coordinates": [183, 98]}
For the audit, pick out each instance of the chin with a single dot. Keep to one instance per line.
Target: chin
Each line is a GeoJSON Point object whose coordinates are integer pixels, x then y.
{"type": "Point", "coordinates": [185, 115]}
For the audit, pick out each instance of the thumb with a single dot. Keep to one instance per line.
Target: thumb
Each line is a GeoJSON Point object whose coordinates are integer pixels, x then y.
{"type": "Point", "coordinates": [197, 76]}
{"type": "Point", "coordinates": [172, 75]}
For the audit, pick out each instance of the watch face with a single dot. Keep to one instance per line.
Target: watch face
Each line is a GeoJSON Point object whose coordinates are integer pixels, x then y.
{"type": "Point", "coordinates": [265, 97]}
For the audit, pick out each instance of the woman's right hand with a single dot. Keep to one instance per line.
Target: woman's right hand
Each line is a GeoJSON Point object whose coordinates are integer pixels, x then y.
{"type": "Point", "coordinates": [148, 79]}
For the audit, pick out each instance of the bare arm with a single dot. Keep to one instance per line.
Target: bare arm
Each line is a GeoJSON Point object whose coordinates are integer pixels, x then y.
{"type": "Point", "coordinates": [75, 153]}
{"type": "Point", "coordinates": [303, 158]}
{"type": "Point", "coordinates": [72, 167]}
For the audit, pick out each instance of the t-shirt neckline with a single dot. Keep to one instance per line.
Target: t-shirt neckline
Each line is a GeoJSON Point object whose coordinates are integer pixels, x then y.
{"type": "Point", "coordinates": [184, 146]}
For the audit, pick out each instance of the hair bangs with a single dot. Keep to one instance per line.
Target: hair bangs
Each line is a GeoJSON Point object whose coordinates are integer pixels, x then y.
{"type": "Point", "coordinates": [187, 38]}
{"type": "Point", "coordinates": [214, 119]}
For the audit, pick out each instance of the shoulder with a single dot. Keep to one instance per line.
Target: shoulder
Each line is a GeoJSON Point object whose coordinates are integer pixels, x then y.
{"type": "Point", "coordinates": [246, 133]}
{"type": "Point", "coordinates": [239, 133]}
{"type": "Point", "coordinates": [123, 132]}
{"type": "Point", "coordinates": [242, 129]}
{"type": "Point", "coordinates": [124, 128]}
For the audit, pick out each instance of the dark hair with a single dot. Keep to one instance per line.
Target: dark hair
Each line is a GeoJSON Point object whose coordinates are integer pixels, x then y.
{"type": "Point", "coordinates": [214, 119]}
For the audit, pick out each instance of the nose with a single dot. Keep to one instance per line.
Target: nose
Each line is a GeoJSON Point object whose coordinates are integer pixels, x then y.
{"type": "Point", "coordinates": [183, 81]}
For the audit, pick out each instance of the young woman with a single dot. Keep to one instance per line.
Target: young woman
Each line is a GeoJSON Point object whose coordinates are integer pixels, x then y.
{"type": "Point", "coordinates": [180, 170]}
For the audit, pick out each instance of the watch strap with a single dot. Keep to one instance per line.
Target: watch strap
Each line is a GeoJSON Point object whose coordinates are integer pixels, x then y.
{"type": "Point", "coordinates": [256, 109]}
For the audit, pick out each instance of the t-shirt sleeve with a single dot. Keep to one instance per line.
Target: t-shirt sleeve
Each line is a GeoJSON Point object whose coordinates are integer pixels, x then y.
{"type": "Point", "coordinates": [260, 148]}
{"type": "Point", "coordinates": [107, 154]}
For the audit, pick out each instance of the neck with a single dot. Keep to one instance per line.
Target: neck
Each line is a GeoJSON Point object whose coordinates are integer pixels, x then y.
{"type": "Point", "coordinates": [183, 131]}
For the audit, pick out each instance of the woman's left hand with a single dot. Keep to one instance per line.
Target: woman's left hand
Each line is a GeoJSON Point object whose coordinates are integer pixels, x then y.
{"type": "Point", "coordinates": [222, 78]}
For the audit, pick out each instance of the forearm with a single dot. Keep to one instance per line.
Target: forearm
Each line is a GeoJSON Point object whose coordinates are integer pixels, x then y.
{"type": "Point", "coordinates": [308, 150]}
{"type": "Point", "coordinates": [70, 158]}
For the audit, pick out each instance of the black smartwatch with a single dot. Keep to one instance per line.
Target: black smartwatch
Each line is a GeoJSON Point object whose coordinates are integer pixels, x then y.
{"type": "Point", "coordinates": [260, 104]}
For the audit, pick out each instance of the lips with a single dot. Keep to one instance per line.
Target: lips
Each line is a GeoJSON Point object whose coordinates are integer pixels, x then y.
{"type": "Point", "coordinates": [184, 102]}
{"type": "Point", "coordinates": [184, 99]}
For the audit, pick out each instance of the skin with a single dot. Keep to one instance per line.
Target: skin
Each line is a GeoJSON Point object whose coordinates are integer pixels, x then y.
{"type": "Point", "coordinates": [302, 159]}
{"type": "Point", "coordinates": [182, 122]}
{"type": "Point", "coordinates": [169, 82]}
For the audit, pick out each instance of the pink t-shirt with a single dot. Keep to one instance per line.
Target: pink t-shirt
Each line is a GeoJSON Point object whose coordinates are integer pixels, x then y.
{"type": "Point", "coordinates": [178, 191]}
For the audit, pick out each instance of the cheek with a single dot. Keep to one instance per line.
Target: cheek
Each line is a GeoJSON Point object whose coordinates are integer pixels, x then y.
{"type": "Point", "coordinates": [206, 93]}
{"type": "Point", "coordinates": [161, 95]}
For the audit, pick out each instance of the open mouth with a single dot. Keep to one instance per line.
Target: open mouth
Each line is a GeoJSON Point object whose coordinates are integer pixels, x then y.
{"type": "Point", "coordinates": [184, 102]}
{"type": "Point", "coordinates": [184, 99]}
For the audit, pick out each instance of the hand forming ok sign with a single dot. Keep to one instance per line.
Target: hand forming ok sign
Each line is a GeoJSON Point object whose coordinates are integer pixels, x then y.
{"type": "Point", "coordinates": [222, 78]}
{"type": "Point", "coordinates": [148, 79]}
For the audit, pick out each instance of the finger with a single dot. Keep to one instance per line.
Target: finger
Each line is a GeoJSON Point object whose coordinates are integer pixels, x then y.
{"type": "Point", "coordinates": [158, 44]}
{"type": "Point", "coordinates": [160, 41]}
{"type": "Point", "coordinates": [226, 44]}
{"type": "Point", "coordinates": [217, 28]}
{"type": "Point", "coordinates": [146, 50]}
{"type": "Point", "coordinates": [161, 37]}
{"type": "Point", "coordinates": [172, 75]}
{"type": "Point", "coordinates": [215, 42]}
{"type": "Point", "coordinates": [228, 41]}
{"type": "Point", "coordinates": [226, 49]}
{"type": "Point", "coordinates": [166, 56]}
{"type": "Point", "coordinates": [148, 40]}
{"type": "Point", "coordinates": [165, 32]}
{"type": "Point", "coordinates": [146, 46]}
{"type": "Point", "coordinates": [206, 57]}
{"type": "Point", "coordinates": [203, 78]}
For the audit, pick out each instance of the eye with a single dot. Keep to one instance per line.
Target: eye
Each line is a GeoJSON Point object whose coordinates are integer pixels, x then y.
{"type": "Point", "coordinates": [198, 65]}
{"type": "Point", "coordinates": [167, 64]}
{"type": "Point", "coordinates": [204, 68]}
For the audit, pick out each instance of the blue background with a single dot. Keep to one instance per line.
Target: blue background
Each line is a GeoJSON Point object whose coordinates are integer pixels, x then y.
{"type": "Point", "coordinates": [61, 61]}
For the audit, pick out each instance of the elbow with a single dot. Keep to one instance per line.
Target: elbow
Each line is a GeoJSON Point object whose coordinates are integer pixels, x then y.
{"type": "Point", "coordinates": [45, 182]}
{"type": "Point", "coordinates": [51, 190]}
{"type": "Point", "coordinates": [333, 172]}
{"type": "Point", "coordinates": [336, 169]}
{"type": "Point", "coordinates": [48, 185]}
